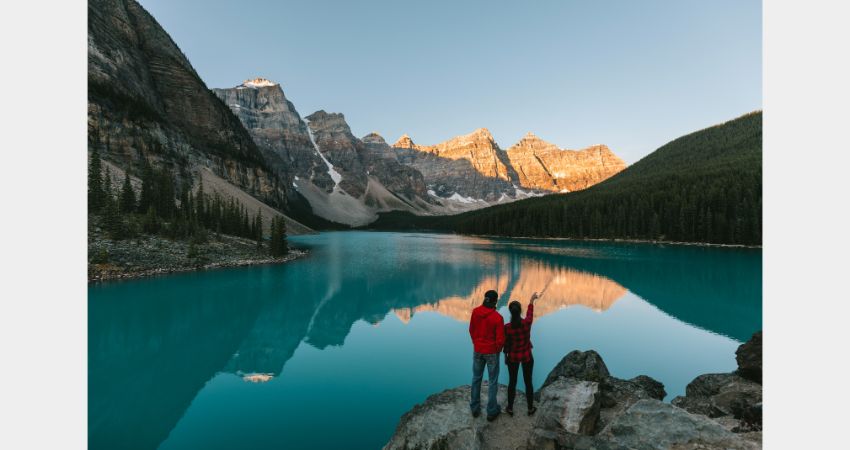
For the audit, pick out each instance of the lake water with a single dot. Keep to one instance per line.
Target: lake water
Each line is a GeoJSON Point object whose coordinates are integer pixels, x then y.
{"type": "Point", "coordinates": [329, 351]}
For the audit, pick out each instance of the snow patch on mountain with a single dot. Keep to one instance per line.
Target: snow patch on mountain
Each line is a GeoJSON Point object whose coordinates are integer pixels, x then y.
{"type": "Point", "coordinates": [258, 82]}
{"type": "Point", "coordinates": [331, 171]}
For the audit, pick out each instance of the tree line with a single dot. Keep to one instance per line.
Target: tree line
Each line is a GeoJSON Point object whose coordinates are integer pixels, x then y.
{"type": "Point", "coordinates": [165, 208]}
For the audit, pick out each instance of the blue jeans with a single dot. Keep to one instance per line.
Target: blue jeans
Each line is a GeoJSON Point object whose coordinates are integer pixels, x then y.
{"type": "Point", "coordinates": [479, 360]}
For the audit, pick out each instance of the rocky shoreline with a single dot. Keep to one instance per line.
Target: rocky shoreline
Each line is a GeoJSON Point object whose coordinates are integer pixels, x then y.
{"type": "Point", "coordinates": [582, 406]}
{"type": "Point", "coordinates": [147, 256]}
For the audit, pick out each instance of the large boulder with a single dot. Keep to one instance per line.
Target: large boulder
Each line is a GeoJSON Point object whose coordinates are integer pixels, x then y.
{"type": "Point", "coordinates": [587, 366]}
{"type": "Point", "coordinates": [749, 358]}
{"type": "Point", "coordinates": [724, 395]}
{"type": "Point", "coordinates": [652, 424]}
{"type": "Point", "coordinates": [569, 404]}
{"type": "Point", "coordinates": [444, 422]}
{"type": "Point", "coordinates": [616, 395]}
{"type": "Point", "coordinates": [648, 386]}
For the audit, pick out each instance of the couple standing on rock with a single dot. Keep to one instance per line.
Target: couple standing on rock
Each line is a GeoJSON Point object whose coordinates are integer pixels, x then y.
{"type": "Point", "coordinates": [490, 335]}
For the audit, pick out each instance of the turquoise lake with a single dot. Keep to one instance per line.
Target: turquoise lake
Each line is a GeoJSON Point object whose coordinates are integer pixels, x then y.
{"type": "Point", "coordinates": [328, 351]}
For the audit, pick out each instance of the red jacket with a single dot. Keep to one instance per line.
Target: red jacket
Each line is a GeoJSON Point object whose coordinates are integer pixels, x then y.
{"type": "Point", "coordinates": [518, 340]}
{"type": "Point", "coordinates": [486, 328]}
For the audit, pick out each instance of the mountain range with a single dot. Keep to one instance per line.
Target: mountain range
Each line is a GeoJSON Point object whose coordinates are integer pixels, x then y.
{"type": "Point", "coordinates": [148, 106]}
{"type": "Point", "coordinates": [349, 180]}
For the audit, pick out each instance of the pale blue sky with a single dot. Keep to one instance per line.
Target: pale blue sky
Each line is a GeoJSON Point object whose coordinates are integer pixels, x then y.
{"type": "Point", "coordinates": [630, 74]}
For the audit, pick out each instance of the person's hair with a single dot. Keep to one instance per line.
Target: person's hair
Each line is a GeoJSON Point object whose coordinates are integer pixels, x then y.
{"type": "Point", "coordinates": [490, 298]}
{"type": "Point", "coordinates": [516, 309]}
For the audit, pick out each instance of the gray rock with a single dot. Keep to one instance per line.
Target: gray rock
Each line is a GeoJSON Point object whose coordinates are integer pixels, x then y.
{"type": "Point", "coordinates": [749, 358]}
{"type": "Point", "coordinates": [569, 404]}
{"type": "Point", "coordinates": [444, 421]}
{"type": "Point", "coordinates": [582, 406]}
{"type": "Point", "coordinates": [561, 440]}
{"type": "Point", "coordinates": [616, 395]}
{"type": "Point", "coordinates": [587, 366]}
{"type": "Point", "coordinates": [722, 394]}
{"type": "Point", "coordinates": [650, 386]}
{"type": "Point", "coordinates": [651, 424]}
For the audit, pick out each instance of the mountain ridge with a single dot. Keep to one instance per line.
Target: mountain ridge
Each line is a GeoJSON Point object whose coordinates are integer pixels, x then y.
{"type": "Point", "coordinates": [465, 172]}
{"type": "Point", "coordinates": [702, 187]}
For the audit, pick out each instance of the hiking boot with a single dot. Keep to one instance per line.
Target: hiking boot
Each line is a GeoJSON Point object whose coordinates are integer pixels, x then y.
{"type": "Point", "coordinates": [493, 417]}
{"type": "Point", "coordinates": [476, 413]}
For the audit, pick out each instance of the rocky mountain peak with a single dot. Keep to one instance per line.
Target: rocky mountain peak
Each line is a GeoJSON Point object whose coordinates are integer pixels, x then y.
{"type": "Point", "coordinates": [404, 142]}
{"type": "Point", "coordinates": [258, 83]}
{"type": "Point", "coordinates": [478, 141]}
{"type": "Point", "coordinates": [532, 142]}
{"type": "Point", "coordinates": [483, 133]}
{"type": "Point", "coordinates": [331, 122]}
{"type": "Point", "coordinates": [374, 138]}
{"type": "Point", "coordinates": [545, 166]}
{"type": "Point", "coordinates": [530, 136]}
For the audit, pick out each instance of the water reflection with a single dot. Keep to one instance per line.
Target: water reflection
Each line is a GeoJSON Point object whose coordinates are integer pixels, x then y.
{"type": "Point", "coordinates": [155, 344]}
{"type": "Point", "coordinates": [562, 287]}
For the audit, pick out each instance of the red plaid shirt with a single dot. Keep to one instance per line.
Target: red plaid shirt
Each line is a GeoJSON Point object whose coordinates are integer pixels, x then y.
{"type": "Point", "coordinates": [518, 340]}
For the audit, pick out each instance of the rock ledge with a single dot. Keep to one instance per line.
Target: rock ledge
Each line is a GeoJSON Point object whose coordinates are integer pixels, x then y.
{"type": "Point", "coordinates": [582, 406]}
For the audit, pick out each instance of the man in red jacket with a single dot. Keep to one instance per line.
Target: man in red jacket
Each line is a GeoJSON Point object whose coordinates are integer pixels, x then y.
{"type": "Point", "coordinates": [487, 329]}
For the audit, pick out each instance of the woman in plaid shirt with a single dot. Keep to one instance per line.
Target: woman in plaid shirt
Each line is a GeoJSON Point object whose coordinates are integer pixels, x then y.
{"type": "Point", "coordinates": [518, 352]}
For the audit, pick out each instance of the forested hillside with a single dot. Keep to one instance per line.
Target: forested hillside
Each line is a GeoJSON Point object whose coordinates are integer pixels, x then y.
{"type": "Point", "coordinates": [702, 187]}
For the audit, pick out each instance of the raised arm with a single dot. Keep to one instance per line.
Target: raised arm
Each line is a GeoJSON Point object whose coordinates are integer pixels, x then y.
{"type": "Point", "coordinates": [529, 313]}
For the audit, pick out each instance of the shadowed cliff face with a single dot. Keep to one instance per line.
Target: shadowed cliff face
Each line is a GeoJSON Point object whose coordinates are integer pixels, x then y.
{"type": "Point", "coordinates": [146, 101]}
{"type": "Point", "coordinates": [369, 175]}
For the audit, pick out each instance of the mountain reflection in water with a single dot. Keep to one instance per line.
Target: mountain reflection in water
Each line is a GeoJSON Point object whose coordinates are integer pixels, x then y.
{"type": "Point", "coordinates": [563, 287]}
{"type": "Point", "coordinates": [156, 344]}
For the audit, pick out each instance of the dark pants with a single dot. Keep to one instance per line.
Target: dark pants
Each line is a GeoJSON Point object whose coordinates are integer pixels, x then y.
{"type": "Point", "coordinates": [527, 368]}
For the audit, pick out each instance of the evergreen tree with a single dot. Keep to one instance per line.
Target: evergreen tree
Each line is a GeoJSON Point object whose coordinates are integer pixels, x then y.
{"type": "Point", "coordinates": [128, 197]}
{"type": "Point", "coordinates": [95, 195]}
{"type": "Point", "coordinates": [258, 229]}
{"type": "Point", "coordinates": [165, 194]}
{"type": "Point", "coordinates": [112, 222]}
{"type": "Point", "coordinates": [107, 187]}
{"type": "Point", "coordinates": [150, 224]}
{"type": "Point", "coordinates": [146, 198]}
{"type": "Point", "coordinates": [284, 245]}
{"type": "Point", "coordinates": [278, 245]}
